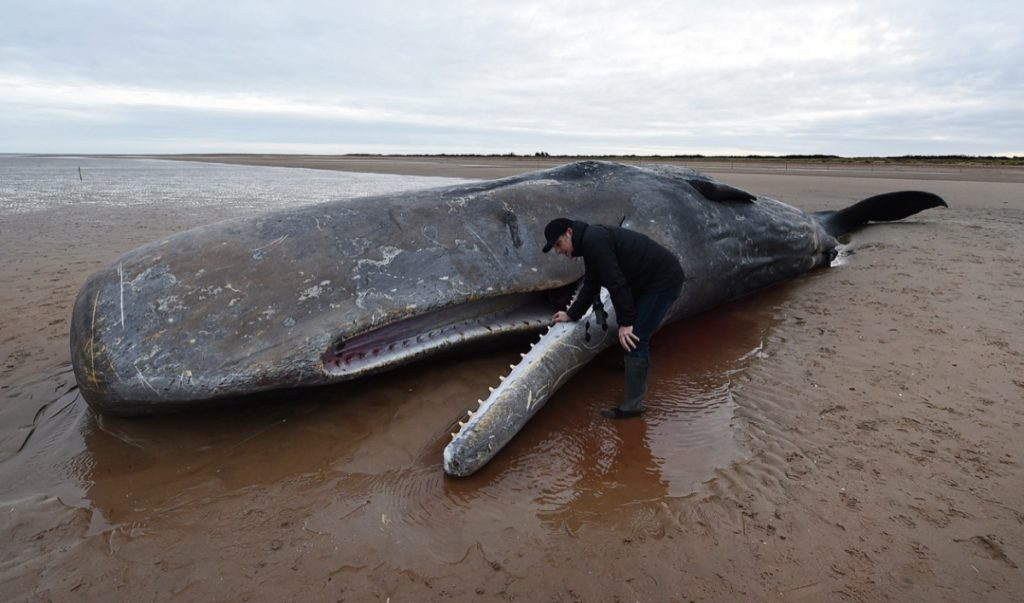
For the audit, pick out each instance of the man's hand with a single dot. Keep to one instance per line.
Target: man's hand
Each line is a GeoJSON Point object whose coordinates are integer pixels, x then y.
{"type": "Point", "coordinates": [560, 316]}
{"type": "Point", "coordinates": [627, 339]}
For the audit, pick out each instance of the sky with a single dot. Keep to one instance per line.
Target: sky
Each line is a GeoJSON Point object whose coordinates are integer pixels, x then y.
{"type": "Point", "coordinates": [771, 77]}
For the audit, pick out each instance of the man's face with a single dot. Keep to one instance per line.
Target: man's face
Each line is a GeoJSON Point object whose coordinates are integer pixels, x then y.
{"type": "Point", "coordinates": [563, 246]}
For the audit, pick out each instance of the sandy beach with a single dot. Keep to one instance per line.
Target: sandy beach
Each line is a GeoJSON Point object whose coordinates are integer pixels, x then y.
{"type": "Point", "coordinates": [851, 435]}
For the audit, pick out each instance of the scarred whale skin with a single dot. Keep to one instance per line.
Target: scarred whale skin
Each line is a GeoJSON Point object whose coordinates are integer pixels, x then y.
{"type": "Point", "coordinates": [335, 291]}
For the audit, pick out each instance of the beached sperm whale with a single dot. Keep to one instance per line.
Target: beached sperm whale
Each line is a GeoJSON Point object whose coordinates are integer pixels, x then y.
{"type": "Point", "coordinates": [336, 291]}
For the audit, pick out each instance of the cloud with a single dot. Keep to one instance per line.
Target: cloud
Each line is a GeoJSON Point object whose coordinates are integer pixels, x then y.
{"type": "Point", "coordinates": [573, 77]}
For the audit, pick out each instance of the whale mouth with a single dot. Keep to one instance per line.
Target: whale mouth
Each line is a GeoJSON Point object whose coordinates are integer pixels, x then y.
{"type": "Point", "coordinates": [406, 340]}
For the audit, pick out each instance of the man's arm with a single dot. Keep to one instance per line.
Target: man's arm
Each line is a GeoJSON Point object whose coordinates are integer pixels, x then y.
{"type": "Point", "coordinates": [622, 299]}
{"type": "Point", "coordinates": [591, 288]}
{"type": "Point", "coordinates": [615, 281]}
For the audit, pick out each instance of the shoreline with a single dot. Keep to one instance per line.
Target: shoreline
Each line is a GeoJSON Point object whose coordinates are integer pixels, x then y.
{"type": "Point", "coordinates": [490, 167]}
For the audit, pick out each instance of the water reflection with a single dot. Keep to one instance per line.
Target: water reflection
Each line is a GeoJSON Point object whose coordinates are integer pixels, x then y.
{"type": "Point", "coordinates": [613, 473]}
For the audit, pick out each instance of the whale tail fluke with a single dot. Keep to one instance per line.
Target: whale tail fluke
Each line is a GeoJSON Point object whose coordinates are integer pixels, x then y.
{"type": "Point", "coordinates": [887, 207]}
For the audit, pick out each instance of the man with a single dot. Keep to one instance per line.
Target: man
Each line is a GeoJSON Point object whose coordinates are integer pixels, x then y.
{"type": "Point", "coordinates": [643, 279]}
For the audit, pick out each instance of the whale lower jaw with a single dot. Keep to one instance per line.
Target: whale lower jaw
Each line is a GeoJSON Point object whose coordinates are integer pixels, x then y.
{"type": "Point", "coordinates": [562, 351]}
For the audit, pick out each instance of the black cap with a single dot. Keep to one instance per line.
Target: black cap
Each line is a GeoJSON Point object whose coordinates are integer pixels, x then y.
{"type": "Point", "coordinates": [555, 229]}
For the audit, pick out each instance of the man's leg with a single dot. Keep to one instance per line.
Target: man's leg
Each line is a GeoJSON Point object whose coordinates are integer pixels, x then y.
{"type": "Point", "coordinates": [650, 311]}
{"type": "Point", "coordinates": [635, 388]}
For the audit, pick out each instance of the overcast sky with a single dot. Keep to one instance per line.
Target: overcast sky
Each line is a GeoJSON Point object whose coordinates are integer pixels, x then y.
{"type": "Point", "coordinates": [677, 77]}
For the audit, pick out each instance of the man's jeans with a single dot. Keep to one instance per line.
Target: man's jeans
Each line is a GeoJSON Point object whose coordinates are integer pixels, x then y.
{"type": "Point", "coordinates": [650, 311]}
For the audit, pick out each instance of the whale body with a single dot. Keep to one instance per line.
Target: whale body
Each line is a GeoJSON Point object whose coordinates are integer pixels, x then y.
{"type": "Point", "coordinates": [347, 289]}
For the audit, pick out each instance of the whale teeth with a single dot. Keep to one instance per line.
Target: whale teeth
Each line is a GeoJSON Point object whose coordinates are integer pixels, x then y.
{"type": "Point", "coordinates": [511, 366]}
{"type": "Point", "coordinates": [501, 377]}
{"type": "Point", "coordinates": [469, 414]}
{"type": "Point", "coordinates": [461, 425]}
{"type": "Point", "coordinates": [455, 434]}
{"type": "Point", "coordinates": [522, 354]}
{"type": "Point", "coordinates": [490, 389]}
{"type": "Point", "coordinates": [479, 402]}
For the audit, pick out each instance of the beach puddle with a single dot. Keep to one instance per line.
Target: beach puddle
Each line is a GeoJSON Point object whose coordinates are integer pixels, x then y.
{"type": "Point", "coordinates": [360, 463]}
{"type": "Point", "coordinates": [370, 454]}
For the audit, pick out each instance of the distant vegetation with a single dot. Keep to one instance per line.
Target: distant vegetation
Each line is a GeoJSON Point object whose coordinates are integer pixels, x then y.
{"type": "Point", "coordinates": [964, 160]}
{"type": "Point", "coordinates": [736, 160]}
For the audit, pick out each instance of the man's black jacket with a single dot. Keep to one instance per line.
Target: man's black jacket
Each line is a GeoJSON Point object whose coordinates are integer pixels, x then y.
{"type": "Point", "coordinates": [627, 263]}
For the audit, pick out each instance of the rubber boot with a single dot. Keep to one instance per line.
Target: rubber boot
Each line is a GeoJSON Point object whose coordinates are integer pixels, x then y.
{"type": "Point", "coordinates": [637, 373]}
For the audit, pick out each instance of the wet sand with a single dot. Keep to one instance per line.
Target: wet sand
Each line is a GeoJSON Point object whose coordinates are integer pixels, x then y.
{"type": "Point", "coordinates": [853, 434]}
